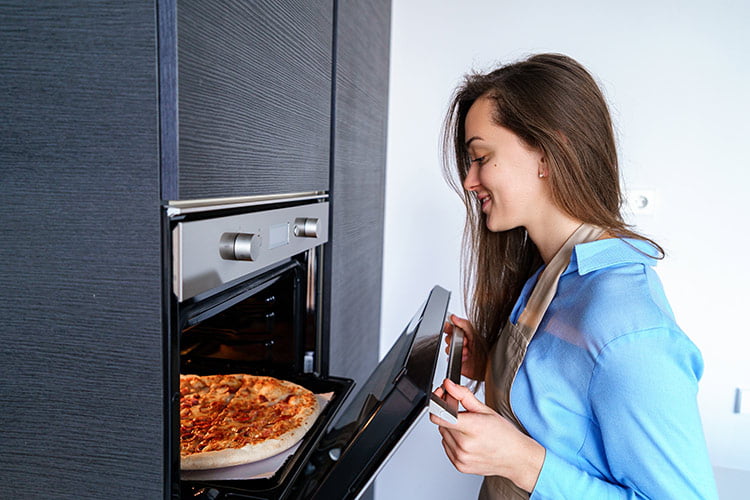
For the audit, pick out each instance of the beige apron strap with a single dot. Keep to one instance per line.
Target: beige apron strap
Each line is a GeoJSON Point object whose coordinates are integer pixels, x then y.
{"type": "Point", "coordinates": [546, 285]}
{"type": "Point", "coordinates": [510, 349]}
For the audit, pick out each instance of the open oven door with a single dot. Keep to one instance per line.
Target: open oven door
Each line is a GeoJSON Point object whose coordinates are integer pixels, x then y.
{"type": "Point", "coordinates": [369, 429]}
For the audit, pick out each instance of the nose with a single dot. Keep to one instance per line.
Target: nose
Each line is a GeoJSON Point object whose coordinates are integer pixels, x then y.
{"type": "Point", "coordinates": [471, 181]}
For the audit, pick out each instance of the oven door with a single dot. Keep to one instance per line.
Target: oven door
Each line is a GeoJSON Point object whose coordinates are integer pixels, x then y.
{"type": "Point", "coordinates": [383, 412]}
{"type": "Point", "coordinates": [360, 438]}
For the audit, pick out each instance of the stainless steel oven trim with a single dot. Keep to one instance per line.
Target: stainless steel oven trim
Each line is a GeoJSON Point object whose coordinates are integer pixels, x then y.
{"type": "Point", "coordinates": [181, 207]}
{"type": "Point", "coordinates": [200, 266]}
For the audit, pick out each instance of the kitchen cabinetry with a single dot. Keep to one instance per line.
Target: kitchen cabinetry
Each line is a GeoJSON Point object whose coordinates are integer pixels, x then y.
{"type": "Point", "coordinates": [245, 97]}
{"type": "Point", "coordinates": [82, 386]}
{"type": "Point", "coordinates": [358, 184]}
{"type": "Point", "coordinates": [104, 118]}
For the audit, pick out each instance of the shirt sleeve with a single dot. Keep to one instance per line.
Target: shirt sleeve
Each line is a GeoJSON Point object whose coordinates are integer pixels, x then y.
{"type": "Point", "coordinates": [643, 395]}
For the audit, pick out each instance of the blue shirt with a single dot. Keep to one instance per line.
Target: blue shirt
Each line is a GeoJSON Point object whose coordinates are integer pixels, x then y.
{"type": "Point", "coordinates": [609, 384]}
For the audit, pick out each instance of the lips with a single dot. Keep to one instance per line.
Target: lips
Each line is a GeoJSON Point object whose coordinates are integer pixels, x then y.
{"type": "Point", "coordinates": [484, 200]}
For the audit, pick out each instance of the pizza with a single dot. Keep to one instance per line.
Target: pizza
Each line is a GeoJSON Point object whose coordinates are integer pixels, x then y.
{"type": "Point", "coordinates": [238, 419]}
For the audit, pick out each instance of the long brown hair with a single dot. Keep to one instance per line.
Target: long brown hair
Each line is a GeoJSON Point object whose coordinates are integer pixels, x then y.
{"type": "Point", "coordinates": [552, 103]}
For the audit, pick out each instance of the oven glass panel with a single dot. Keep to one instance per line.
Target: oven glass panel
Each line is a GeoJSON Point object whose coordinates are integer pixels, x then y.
{"type": "Point", "coordinates": [384, 410]}
{"type": "Point", "coordinates": [384, 378]}
{"type": "Point", "coordinates": [413, 355]}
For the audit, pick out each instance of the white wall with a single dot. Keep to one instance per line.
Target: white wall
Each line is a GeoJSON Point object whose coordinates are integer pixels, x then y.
{"type": "Point", "coordinates": [677, 77]}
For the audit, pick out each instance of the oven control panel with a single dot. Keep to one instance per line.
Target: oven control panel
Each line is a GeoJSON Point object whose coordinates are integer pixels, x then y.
{"type": "Point", "coordinates": [208, 253]}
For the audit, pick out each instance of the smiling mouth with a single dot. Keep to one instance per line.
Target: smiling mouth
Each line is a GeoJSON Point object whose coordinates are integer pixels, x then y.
{"type": "Point", "coordinates": [484, 200]}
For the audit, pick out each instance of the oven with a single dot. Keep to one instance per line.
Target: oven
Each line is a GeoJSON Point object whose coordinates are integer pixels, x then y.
{"type": "Point", "coordinates": [245, 281]}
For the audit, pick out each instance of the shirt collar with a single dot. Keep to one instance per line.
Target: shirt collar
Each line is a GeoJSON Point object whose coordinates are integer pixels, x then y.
{"type": "Point", "coordinates": [595, 255]}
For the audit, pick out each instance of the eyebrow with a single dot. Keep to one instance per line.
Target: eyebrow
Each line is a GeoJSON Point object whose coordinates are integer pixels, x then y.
{"type": "Point", "coordinates": [467, 143]}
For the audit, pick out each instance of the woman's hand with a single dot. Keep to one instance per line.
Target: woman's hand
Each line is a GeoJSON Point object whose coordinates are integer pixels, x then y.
{"type": "Point", "coordinates": [485, 443]}
{"type": "Point", "coordinates": [471, 363]}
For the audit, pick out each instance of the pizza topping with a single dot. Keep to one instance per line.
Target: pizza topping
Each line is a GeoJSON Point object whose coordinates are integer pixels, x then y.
{"type": "Point", "coordinates": [240, 418]}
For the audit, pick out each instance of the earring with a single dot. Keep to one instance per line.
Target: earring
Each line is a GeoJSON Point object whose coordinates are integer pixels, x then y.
{"type": "Point", "coordinates": [541, 175]}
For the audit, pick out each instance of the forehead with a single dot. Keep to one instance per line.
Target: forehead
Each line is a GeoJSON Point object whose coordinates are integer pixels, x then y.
{"type": "Point", "coordinates": [481, 128]}
{"type": "Point", "coordinates": [480, 115]}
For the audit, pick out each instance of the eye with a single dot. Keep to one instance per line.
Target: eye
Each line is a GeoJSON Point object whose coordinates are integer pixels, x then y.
{"type": "Point", "coordinates": [480, 160]}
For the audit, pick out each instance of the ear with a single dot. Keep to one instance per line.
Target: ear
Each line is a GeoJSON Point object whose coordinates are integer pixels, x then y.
{"type": "Point", "coordinates": [543, 169]}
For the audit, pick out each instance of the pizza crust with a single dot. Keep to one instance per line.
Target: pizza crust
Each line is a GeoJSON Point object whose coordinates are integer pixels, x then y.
{"type": "Point", "coordinates": [267, 390]}
{"type": "Point", "coordinates": [252, 452]}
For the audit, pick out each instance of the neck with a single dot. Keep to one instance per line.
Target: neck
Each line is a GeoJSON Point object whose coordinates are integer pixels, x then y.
{"type": "Point", "coordinates": [550, 234]}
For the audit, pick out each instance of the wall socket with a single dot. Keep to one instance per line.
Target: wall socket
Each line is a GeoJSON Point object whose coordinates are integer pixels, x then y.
{"type": "Point", "coordinates": [742, 401]}
{"type": "Point", "coordinates": [641, 201]}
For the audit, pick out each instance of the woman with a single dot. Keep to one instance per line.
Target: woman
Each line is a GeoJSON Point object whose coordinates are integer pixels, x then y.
{"type": "Point", "coordinates": [590, 384]}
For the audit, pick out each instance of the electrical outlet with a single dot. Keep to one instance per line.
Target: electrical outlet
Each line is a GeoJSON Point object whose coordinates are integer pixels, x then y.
{"type": "Point", "coordinates": [641, 201]}
{"type": "Point", "coordinates": [742, 401]}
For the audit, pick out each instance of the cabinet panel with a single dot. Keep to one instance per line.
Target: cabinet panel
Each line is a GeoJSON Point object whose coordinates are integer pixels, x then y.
{"type": "Point", "coordinates": [358, 184]}
{"type": "Point", "coordinates": [358, 187]}
{"type": "Point", "coordinates": [81, 381]}
{"type": "Point", "coordinates": [254, 97]}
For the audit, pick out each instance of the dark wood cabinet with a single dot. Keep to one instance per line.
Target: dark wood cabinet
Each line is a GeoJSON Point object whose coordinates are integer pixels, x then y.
{"type": "Point", "coordinates": [81, 376]}
{"type": "Point", "coordinates": [111, 108]}
{"type": "Point", "coordinates": [358, 184]}
{"type": "Point", "coordinates": [252, 87]}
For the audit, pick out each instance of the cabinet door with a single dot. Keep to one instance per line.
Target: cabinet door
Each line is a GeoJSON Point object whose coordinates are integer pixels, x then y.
{"type": "Point", "coordinates": [358, 185]}
{"type": "Point", "coordinates": [81, 377]}
{"type": "Point", "coordinates": [253, 97]}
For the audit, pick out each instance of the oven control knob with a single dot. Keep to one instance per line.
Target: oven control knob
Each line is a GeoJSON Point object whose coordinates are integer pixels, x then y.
{"type": "Point", "coordinates": [239, 246]}
{"type": "Point", "coordinates": [306, 227]}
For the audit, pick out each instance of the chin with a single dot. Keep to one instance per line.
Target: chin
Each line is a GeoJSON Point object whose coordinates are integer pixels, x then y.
{"type": "Point", "coordinates": [499, 226]}
{"type": "Point", "coordinates": [496, 228]}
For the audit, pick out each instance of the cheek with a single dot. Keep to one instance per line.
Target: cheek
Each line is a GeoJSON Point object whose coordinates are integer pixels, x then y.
{"type": "Point", "coordinates": [492, 176]}
{"type": "Point", "coordinates": [519, 193]}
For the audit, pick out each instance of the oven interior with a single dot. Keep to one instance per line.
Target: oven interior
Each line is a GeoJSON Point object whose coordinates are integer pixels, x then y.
{"type": "Point", "coordinates": [260, 322]}
{"type": "Point", "coordinates": [265, 325]}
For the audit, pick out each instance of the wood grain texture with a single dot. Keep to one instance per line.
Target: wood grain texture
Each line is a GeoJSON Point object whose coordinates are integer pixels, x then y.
{"type": "Point", "coordinates": [168, 92]}
{"type": "Point", "coordinates": [80, 257]}
{"type": "Point", "coordinates": [80, 299]}
{"type": "Point", "coordinates": [358, 185]}
{"type": "Point", "coordinates": [254, 84]}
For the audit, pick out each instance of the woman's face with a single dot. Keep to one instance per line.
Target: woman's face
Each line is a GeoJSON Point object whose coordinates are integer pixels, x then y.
{"type": "Point", "coordinates": [504, 173]}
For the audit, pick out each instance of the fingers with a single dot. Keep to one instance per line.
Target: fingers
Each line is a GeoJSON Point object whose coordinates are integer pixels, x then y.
{"type": "Point", "coordinates": [468, 330]}
{"type": "Point", "coordinates": [448, 327]}
{"type": "Point", "coordinates": [457, 322]}
{"type": "Point", "coordinates": [439, 392]}
{"type": "Point", "coordinates": [442, 424]}
{"type": "Point", "coordinates": [462, 323]}
{"type": "Point", "coordinates": [465, 354]}
{"type": "Point", "coordinates": [448, 330]}
{"type": "Point", "coordinates": [466, 326]}
{"type": "Point", "coordinates": [452, 452]}
{"type": "Point", "coordinates": [454, 449]}
{"type": "Point", "coordinates": [449, 442]}
{"type": "Point", "coordinates": [466, 397]}
{"type": "Point", "coordinates": [468, 354]}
